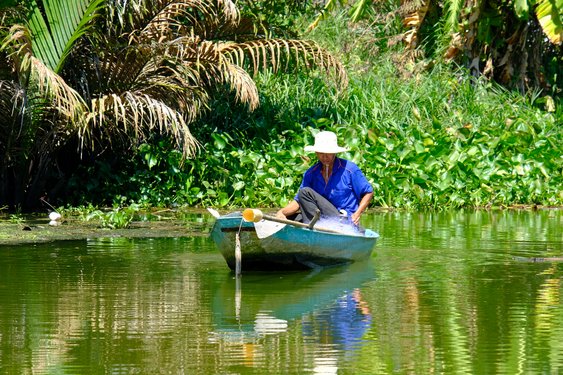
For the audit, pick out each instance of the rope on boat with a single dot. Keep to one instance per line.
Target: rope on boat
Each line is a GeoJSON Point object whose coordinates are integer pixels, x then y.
{"type": "Point", "coordinates": [238, 261]}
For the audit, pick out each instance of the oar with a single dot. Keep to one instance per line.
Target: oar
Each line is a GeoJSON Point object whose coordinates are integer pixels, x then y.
{"type": "Point", "coordinates": [254, 215]}
{"type": "Point", "coordinates": [214, 212]}
{"type": "Point", "coordinates": [266, 228]}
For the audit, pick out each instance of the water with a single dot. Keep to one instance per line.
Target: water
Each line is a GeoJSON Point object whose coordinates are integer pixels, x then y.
{"type": "Point", "coordinates": [455, 292]}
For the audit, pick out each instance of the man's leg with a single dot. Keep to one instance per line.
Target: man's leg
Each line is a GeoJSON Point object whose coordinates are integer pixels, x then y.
{"type": "Point", "coordinates": [310, 201]}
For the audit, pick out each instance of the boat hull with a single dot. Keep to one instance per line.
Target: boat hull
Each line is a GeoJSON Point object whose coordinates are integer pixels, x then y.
{"type": "Point", "coordinates": [289, 248]}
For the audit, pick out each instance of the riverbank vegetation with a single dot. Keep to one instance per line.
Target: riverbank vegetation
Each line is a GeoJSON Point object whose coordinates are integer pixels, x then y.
{"type": "Point", "coordinates": [88, 77]}
{"type": "Point", "coordinates": [426, 131]}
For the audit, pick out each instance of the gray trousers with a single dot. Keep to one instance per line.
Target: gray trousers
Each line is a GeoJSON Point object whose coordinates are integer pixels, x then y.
{"type": "Point", "coordinates": [310, 201]}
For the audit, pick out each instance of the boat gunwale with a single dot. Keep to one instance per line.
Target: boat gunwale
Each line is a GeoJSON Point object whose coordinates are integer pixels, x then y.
{"type": "Point", "coordinates": [249, 226]}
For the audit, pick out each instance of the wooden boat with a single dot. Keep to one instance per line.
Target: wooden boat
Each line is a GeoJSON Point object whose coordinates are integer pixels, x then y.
{"type": "Point", "coordinates": [288, 245]}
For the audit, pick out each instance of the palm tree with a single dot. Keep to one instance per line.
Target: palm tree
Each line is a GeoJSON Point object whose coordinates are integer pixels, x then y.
{"type": "Point", "coordinates": [116, 71]}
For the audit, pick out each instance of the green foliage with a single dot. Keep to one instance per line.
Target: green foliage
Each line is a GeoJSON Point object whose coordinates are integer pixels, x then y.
{"type": "Point", "coordinates": [278, 17]}
{"type": "Point", "coordinates": [16, 219]}
{"type": "Point", "coordinates": [117, 218]}
{"type": "Point", "coordinates": [82, 212]}
{"type": "Point", "coordinates": [438, 141]}
{"type": "Point", "coordinates": [108, 75]}
{"type": "Point", "coordinates": [425, 139]}
{"type": "Point", "coordinates": [228, 174]}
{"type": "Point", "coordinates": [509, 42]}
{"type": "Point", "coordinates": [163, 179]}
{"type": "Point", "coordinates": [451, 143]}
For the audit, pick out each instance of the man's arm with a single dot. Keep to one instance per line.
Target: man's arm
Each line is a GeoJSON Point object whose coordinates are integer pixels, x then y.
{"type": "Point", "coordinates": [364, 203]}
{"type": "Point", "coordinates": [291, 208]}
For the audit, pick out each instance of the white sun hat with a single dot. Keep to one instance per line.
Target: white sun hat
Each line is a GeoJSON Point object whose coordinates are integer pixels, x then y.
{"type": "Point", "coordinates": [326, 143]}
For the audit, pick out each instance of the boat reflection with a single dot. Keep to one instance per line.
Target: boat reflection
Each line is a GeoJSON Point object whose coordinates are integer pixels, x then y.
{"type": "Point", "coordinates": [260, 304]}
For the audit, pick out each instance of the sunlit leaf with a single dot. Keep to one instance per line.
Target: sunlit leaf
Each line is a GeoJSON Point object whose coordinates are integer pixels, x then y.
{"type": "Point", "coordinates": [521, 8]}
{"type": "Point", "coordinates": [219, 141]}
{"type": "Point", "coordinates": [550, 16]}
{"type": "Point", "coordinates": [151, 160]}
{"type": "Point", "coordinates": [239, 185]}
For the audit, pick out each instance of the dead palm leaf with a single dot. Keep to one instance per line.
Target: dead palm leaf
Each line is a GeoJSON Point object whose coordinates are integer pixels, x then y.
{"type": "Point", "coordinates": [138, 115]}
{"type": "Point", "coordinates": [282, 54]}
{"type": "Point", "coordinates": [163, 20]}
{"type": "Point", "coordinates": [32, 71]}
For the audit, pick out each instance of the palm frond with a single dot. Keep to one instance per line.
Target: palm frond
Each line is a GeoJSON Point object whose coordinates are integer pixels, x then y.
{"type": "Point", "coordinates": [138, 114]}
{"type": "Point", "coordinates": [56, 26]}
{"type": "Point", "coordinates": [51, 85]}
{"type": "Point", "coordinates": [414, 21]}
{"type": "Point", "coordinates": [178, 84]}
{"type": "Point", "coordinates": [192, 66]}
{"type": "Point", "coordinates": [32, 71]}
{"type": "Point", "coordinates": [243, 30]}
{"type": "Point", "coordinates": [17, 47]}
{"type": "Point", "coordinates": [452, 10]}
{"type": "Point", "coordinates": [282, 54]}
{"type": "Point", "coordinates": [244, 86]}
{"type": "Point", "coordinates": [166, 19]}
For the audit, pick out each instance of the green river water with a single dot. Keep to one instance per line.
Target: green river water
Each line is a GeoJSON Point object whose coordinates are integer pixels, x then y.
{"type": "Point", "coordinates": [444, 293]}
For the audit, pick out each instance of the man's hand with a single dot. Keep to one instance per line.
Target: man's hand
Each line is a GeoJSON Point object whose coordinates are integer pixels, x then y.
{"type": "Point", "coordinates": [280, 215]}
{"type": "Point", "coordinates": [364, 203]}
{"type": "Point", "coordinates": [356, 217]}
{"type": "Point", "coordinates": [291, 208]}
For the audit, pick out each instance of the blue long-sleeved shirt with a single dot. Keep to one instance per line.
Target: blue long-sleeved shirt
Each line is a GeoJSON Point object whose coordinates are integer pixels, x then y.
{"type": "Point", "coordinates": [345, 187]}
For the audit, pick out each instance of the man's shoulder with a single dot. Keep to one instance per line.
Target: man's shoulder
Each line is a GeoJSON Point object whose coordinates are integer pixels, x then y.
{"type": "Point", "coordinates": [348, 165]}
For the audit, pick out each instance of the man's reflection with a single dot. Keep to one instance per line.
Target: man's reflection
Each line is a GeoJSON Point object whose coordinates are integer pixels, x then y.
{"type": "Point", "coordinates": [344, 323]}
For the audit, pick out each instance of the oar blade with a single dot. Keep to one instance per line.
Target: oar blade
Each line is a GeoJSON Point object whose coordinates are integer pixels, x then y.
{"type": "Point", "coordinates": [213, 212]}
{"type": "Point", "coordinates": [266, 228]}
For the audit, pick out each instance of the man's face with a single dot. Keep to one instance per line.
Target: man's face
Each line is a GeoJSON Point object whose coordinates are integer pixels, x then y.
{"type": "Point", "coordinates": [326, 159]}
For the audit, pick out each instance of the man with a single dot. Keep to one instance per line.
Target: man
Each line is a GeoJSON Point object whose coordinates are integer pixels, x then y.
{"type": "Point", "coordinates": [335, 186]}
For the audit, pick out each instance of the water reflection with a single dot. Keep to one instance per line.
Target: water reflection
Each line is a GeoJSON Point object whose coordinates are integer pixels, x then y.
{"type": "Point", "coordinates": [341, 325]}
{"type": "Point", "coordinates": [264, 303]}
{"type": "Point", "coordinates": [451, 292]}
{"type": "Point", "coordinates": [322, 309]}
{"type": "Point", "coordinates": [459, 299]}
{"type": "Point", "coordinates": [97, 306]}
